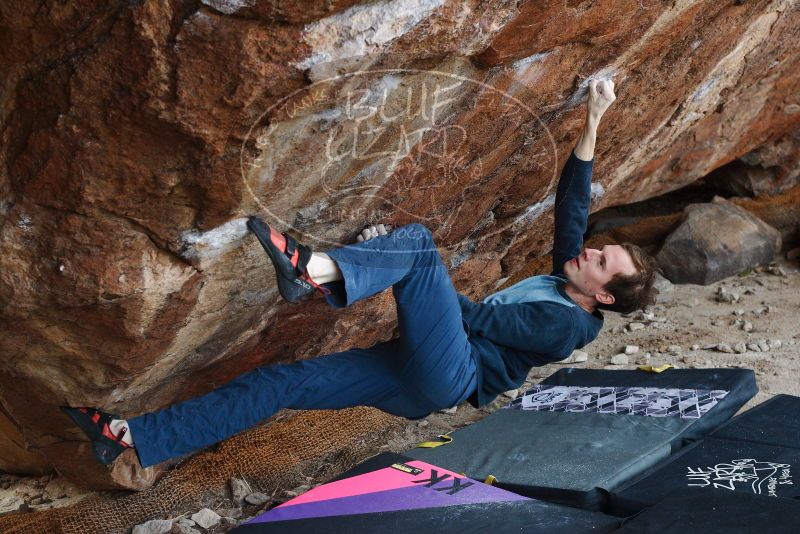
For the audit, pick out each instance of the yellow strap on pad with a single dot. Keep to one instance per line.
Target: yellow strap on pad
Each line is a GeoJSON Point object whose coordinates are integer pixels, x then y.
{"type": "Point", "coordinates": [433, 444]}
{"type": "Point", "coordinates": [654, 368]}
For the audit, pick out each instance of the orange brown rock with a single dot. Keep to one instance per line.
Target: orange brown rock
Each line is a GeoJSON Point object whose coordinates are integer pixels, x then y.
{"type": "Point", "coordinates": [137, 136]}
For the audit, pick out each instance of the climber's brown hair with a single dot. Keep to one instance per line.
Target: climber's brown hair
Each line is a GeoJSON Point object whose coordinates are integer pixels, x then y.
{"type": "Point", "coordinates": [635, 291]}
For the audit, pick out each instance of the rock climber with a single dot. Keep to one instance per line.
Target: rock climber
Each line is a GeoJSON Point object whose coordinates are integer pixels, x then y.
{"type": "Point", "coordinates": [450, 349]}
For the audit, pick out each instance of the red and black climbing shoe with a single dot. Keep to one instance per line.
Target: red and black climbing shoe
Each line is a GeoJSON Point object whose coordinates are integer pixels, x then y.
{"type": "Point", "coordinates": [289, 258]}
{"type": "Point", "coordinates": [94, 424]}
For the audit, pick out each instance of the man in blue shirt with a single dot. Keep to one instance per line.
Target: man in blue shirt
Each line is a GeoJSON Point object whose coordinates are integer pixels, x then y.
{"type": "Point", "coordinates": [450, 349]}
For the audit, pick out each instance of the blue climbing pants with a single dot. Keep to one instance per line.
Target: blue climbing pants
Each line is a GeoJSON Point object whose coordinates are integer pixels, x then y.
{"type": "Point", "coordinates": [429, 367]}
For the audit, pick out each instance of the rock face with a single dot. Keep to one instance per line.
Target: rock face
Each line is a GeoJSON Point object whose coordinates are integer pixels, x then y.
{"type": "Point", "coordinates": [715, 241]}
{"type": "Point", "coordinates": [138, 135]}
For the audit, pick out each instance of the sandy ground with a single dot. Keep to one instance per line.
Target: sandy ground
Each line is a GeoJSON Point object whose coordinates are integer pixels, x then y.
{"type": "Point", "coordinates": [684, 329]}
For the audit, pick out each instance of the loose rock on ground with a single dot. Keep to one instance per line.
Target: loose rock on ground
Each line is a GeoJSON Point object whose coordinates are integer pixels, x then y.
{"type": "Point", "coordinates": [206, 518]}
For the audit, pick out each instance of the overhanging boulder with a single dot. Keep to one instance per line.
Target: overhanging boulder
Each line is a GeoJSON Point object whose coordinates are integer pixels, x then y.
{"type": "Point", "coordinates": [137, 136]}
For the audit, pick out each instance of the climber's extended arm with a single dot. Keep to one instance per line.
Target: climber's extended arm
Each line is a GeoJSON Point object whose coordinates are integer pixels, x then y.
{"type": "Point", "coordinates": [573, 194]}
{"type": "Point", "coordinates": [601, 96]}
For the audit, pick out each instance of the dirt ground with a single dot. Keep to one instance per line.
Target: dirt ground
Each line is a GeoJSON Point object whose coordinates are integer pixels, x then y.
{"type": "Point", "coordinates": [684, 328]}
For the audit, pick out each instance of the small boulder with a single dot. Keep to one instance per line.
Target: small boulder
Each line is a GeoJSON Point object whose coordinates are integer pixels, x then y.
{"type": "Point", "coordinates": [776, 269]}
{"type": "Point", "coordinates": [727, 297]}
{"type": "Point", "coordinates": [206, 518]}
{"type": "Point", "coordinates": [633, 327]}
{"type": "Point", "coordinates": [577, 356]}
{"type": "Point", "coordinates": [714, 241]}
{"type": "Point", "coordinates": [631, 349]}
{"type": "Point", "coordinates": [619, 359]}
{"type": "Point", "coordinates": [257, 498]}
{"type": "Point", "coordinates": [239, 489]}
{"type": "Point", "coordinates": [661, 284]}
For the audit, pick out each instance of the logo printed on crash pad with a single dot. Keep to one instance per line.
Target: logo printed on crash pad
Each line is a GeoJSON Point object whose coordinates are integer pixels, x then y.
{"type": "Point", "coordinates": [435, 479]}
{"type": "Point", "coordinates": [405, 468]}
{"type": "Point", "coordinates": [653, 402]}
{"type": "Point", "coordinates": [763, 478]}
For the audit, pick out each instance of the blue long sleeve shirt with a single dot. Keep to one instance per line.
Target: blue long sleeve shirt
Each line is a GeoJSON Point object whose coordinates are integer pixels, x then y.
{"type": "Point", "coordinates": [535, 322]}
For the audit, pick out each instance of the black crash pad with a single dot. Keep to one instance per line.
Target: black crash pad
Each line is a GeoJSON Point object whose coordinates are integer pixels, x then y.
{"type": "Point", "coordinates": [757, 453]}
{"type": "Point", "coordinates": [567, 447]}
{"type": "Point", "coordinates": [716, 512]}
{"type": "Point", "coordinates": [774, 422]}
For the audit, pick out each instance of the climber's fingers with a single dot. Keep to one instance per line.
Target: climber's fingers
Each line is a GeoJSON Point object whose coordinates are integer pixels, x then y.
{"type": "Point", "coordinates": [601, 96]}
{"type": "Point", "coordinates": [368, 233]}
{"type": "Point", "coordinates": [373, 231]}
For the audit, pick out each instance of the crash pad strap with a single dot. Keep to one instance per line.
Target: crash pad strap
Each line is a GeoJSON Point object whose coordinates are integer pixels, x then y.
{"type": "Point", "coordinates": [433, 444]}
{"type": "Point", "coordinates": [654, 368]}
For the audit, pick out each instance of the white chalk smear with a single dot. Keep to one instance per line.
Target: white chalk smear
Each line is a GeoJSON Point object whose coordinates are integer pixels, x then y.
{"type": "Point", "coordinates": [204, 245]}
{"type": "Point", "coordinates": [522, 65]}
{"type": "Point", "coordinates": [363, 29]}
{"type": "Point", "coordinates": [228, 7]}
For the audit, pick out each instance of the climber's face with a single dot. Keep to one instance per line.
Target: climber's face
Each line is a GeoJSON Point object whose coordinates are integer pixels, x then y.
{"type": "Point", "coordinates": [591, 270]}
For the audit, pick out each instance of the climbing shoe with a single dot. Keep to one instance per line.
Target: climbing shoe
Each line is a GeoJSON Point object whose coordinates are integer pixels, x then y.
{"type": "Point", "coordinates": [94, 424]}
{"type": "Point", "coordinates": [289, 258]}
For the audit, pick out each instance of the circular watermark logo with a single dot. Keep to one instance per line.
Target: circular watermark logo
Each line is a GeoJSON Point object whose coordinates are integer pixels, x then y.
{"type": "Point", "coordinates": [373, 146]}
